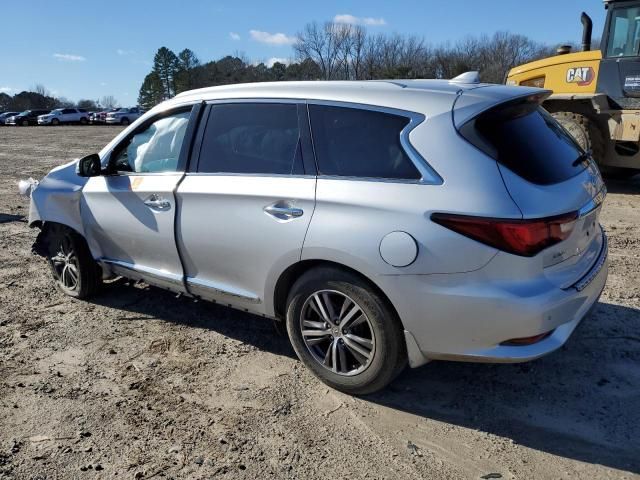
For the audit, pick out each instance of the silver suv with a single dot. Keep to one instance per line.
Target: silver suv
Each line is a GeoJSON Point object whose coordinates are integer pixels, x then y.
{"type": "Point", "coordinates": [385, 222]}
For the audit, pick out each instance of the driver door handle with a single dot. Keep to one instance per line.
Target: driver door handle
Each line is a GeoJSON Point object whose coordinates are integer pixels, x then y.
{"type": "Point", "coordinates": [157, 202]}
{"type": "Point", "coordinates": [283, 213]}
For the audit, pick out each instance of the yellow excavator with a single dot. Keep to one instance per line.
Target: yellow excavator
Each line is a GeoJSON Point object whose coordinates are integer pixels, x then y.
{"type": "Point", "coordinates": [596, 93]}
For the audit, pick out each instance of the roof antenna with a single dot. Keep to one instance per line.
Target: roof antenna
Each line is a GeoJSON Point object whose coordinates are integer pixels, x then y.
{"type": "Point", "coordinates": [467, 77]}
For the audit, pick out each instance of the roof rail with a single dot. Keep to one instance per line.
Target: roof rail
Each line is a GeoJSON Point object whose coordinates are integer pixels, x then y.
{"type": "Point", "coordinates": [467, 77]}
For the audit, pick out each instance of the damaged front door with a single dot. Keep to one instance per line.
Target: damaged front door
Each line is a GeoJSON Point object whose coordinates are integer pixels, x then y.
{"type": "Point", "coordinates": [129, 213]}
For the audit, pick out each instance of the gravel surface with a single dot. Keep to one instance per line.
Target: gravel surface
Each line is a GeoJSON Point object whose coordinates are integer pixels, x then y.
{"type": "Point", "coordinates": [138, 383]}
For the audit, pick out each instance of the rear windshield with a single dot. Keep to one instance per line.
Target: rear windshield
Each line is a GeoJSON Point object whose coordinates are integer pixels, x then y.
{"type": "Point", "coordinates": [526, 139]}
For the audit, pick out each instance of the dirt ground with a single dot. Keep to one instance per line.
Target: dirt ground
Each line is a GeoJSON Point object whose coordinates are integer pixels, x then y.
{"type": "Point", "coordinates": [140, 384]}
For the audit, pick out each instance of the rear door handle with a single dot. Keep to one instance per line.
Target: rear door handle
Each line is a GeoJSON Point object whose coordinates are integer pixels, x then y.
{"type": "Point", "coordinates": [283, 213]}
{"type": "Point", "coordinates": [157, 202]}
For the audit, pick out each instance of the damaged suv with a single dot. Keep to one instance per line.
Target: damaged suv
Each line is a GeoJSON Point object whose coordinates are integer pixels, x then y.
{"type": "Point", "coordinates": [384, 223]}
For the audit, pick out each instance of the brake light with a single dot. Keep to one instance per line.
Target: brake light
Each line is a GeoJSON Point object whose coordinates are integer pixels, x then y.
{"type": "Point", "coordinates": [520, 237]}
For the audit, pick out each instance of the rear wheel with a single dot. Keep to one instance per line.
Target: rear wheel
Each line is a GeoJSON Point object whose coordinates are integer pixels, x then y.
{"type": "Point", "coordinates": [344, 331]}
{"type": "Point", "coordinates": [74, 271]}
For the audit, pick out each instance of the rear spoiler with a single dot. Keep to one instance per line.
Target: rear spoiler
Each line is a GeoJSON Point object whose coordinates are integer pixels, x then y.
{"type": "Point", "coordinates": [471, 103]}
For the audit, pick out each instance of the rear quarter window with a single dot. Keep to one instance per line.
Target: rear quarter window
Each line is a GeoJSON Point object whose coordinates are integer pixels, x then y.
{"type": "Point", "coordinates": [352, 142]}
{"type": "Point", "coordinates": [527, 140]}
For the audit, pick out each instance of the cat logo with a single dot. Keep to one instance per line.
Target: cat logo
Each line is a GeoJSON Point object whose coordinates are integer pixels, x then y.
{"type": "Point", "coordinates": [581, 75]}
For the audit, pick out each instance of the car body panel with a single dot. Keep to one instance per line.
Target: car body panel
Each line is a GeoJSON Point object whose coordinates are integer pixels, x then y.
{"type": "Point", "coordinates": [236, 222]}
{"type": "Point", "coordinates": [57, 198]}
{"type": "Point", "coordinates": [120, 227]}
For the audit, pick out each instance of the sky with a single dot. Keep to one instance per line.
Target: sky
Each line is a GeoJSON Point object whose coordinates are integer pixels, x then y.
{"type": "Point", "coordinates": [93, 48]}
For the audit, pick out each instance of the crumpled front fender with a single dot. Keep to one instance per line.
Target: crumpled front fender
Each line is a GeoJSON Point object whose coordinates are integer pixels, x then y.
{"type": "Point", "coordinates": [57, 198]}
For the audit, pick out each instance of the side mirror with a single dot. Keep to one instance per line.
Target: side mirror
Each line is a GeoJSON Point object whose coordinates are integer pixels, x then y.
{"type": "Point", "coordinates": [89, 166]}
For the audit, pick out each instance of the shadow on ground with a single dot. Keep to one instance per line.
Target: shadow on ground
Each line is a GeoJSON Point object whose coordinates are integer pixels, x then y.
{"type": "Point", "coordinates": [582, 402]}
{"type": "Point", "coordinates": [8, 217]}
{"type": "Point", "coordinates": [626, 186]}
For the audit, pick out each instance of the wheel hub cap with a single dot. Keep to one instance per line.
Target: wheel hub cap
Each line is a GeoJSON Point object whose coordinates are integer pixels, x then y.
{"type": "Point", "coordinates": [337, 332]}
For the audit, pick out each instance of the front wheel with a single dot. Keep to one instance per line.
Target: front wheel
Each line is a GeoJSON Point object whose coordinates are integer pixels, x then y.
{"type": "Point", "coordinates": [344, 331]}
{"type": "Point", "coordinates": [55, 122]}
{"type": "Point", "coordinates": [25, 123]}
{"type": "Point", "coordinates": [74, 271]}
{"type": "Point", "coordinates": [124, 121]}
{"type": "Point", "coordinates": [83, 121]}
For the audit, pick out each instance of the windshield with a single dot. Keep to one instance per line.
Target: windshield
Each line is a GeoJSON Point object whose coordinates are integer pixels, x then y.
{"type": "Point", "coordinates": [122, 110]}
{"type": "Point", "coordinates": [624, 32]}
{"type": "Point", "coordinates": [56, 112]}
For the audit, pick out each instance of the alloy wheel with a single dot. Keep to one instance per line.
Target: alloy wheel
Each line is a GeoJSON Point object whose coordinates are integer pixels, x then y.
{"type": "Point", "coordinates": [65, 264]}
{"type": "Point", "coordinates": [337, 332]}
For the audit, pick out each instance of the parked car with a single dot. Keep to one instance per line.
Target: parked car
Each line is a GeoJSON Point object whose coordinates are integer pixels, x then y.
{"type": "Point", "coordinates": [26, 118]}
{"type": "Point", "coordinates": [60, 116]}
{"type": "Point", "coordinates": [384, 223]}
{"type": "Point", "coordinates": [100, 117]}
{"type": "Point", "coordinates": [123, 116]}
{"type": "Point", "coordinates": [6, 116]}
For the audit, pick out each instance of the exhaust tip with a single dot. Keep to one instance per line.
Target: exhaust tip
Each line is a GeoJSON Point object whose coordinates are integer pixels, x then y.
{"type": "Point", "coordinates": [563, 49]}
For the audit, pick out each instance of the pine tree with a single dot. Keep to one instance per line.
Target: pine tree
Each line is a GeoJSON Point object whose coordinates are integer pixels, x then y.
{"type": "Point", "coordinates": [151, 91]}
{"type": "Point", "coordinates": [184, 78]}
{"type": "Point", "coordinates": [165, 66]}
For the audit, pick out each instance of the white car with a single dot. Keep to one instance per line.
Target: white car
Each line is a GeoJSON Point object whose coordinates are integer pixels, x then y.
{"type": "Point", "coordinates": [64, 115]}
{"type": "Point", "coordinates": [123, 116]}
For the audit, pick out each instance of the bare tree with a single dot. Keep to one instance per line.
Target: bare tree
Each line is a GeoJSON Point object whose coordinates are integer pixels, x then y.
{"type": "Point", "coordinates": [108, 101]}
{"type": "Point", "coordinates": [322, 45]}
{"type": "Point", "coordinates": [41, 90]}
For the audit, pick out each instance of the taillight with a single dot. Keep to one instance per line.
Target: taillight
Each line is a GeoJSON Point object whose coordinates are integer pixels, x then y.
{"type": "Point", "coordinates": [520, 237]}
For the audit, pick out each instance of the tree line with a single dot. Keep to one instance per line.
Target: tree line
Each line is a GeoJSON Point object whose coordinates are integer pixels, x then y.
{"type": "Point", "coordinates": [40, 98]}
{"type": "Point", "coordinates": [335, 51]}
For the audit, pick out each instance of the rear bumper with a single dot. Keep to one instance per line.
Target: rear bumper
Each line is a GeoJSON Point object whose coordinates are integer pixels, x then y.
{"type": "Point", "coordinates": [466, 317]}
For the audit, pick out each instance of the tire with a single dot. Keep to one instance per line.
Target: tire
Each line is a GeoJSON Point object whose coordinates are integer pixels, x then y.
{"type": "Point", "coordinates": [124, 121]}
{"type": "Point", "coordinates": [25, 123]}
{"type": "Point", "coordinates": [74, 271]}
{"type": "Point", "coordinates": [357, 367]}
{"type": "Point", "coordinates": [83, 121]}
{"type": "Point", "coordinates": [55, 122]}
{"type": "Point", "coordinates": [585, 131]}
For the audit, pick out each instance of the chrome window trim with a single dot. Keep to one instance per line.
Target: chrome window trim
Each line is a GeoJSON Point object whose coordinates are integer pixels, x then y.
{"type": "Point", "coordinates": [257, 175]}
{"type": "Point", "coordinates": [429, 175]}
{"type": "Point", "coordinates": [226, 290]}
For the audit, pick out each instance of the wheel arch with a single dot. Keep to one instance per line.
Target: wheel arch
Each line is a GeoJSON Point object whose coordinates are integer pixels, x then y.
{"type": "Point", "coordinates": [292, 273]}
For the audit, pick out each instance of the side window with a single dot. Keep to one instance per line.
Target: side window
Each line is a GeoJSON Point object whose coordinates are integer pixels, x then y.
{"type": "Point", "coordinates": [155, 148]}
{"type": "Point", "coordinates": [68, 110]}
{"type": "Point", "coordinates": [354, 142]}
{"type": "Point", "coordinates": [251, 138]}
